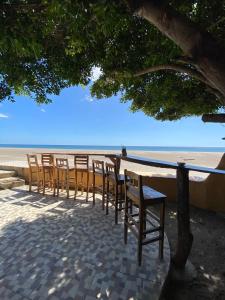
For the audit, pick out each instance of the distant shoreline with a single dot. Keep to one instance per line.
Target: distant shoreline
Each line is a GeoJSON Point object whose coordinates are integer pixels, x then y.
{"type": "Point", "coordinates": [115, 148]}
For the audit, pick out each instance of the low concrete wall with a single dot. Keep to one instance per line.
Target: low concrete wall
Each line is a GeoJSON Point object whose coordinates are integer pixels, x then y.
{"type": "Point", "coordinates": [23, 172]}
{"type": "Point", "coordinates": [208, 194]}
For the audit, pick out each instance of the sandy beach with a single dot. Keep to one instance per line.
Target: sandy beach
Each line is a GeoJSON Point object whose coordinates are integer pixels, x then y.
{"type": "Point", "coordinates": [17, 156]}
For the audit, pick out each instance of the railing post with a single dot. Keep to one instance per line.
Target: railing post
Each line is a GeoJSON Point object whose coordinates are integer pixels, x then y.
{"type": "Point", "coordinates": [185, 237]}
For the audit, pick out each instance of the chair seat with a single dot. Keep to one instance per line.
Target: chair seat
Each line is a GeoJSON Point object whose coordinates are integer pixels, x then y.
{"type": "Point", "coordinates": [149, 194]}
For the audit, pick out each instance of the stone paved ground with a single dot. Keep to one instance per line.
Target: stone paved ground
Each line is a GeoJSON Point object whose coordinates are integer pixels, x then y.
{"type": "Point", "coordinates": [53, 248]}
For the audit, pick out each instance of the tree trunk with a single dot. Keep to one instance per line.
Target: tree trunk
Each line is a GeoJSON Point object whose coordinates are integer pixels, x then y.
{"type": "Point", "coordinates": [214, 118]}
{"type": "Point", "coordinates": [200, 46]}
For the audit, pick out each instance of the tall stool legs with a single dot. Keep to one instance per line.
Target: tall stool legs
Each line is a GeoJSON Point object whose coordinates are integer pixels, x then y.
{"type": "Point", "coordinates": [62, 175]}
{"type": "Point", "coordinates": [35, 172]}
{"type": "Point", "coordinates": [143, 197]}
{"type": "Point", "coordinates": [114, 183]}
{"type": "Point", "coordinates": [81, 167]}
{"type": "Point", "coordinates": [98, 170]}
{"type": "Point", "coordinates": [48, 169]}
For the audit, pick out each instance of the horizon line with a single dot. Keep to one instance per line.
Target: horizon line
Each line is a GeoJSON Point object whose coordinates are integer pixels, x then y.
{"type": "Point", "coordinates": [88, 145]}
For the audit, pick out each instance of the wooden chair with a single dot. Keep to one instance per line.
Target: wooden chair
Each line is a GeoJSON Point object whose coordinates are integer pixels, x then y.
{"type": "Point", "coordinates": [144, 222]}
{"type": "Point", "coordinates": [62, 175]}
{"type": "Point", "coordinates": [35, 172]}
{"type": "Point", "coordinates": [114, 193]}
{"type": "Point", "coordinates": [98, 170]}
{"type": "Point", "coordinates": [81, 165]}
{"type": "Point", "coordinates": [48, 168]}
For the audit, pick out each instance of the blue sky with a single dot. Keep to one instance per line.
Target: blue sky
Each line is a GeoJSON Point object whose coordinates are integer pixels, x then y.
{"type": "Point", "coordinates": [75, 118]}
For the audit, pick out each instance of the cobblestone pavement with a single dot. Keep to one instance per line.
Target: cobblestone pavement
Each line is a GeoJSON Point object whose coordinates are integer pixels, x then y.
{"type": "Point", "coordinates": [57, 248]}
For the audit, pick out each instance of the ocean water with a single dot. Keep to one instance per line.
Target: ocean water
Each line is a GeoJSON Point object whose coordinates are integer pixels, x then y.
{"type": "Point", "coordinates": [134, 148]}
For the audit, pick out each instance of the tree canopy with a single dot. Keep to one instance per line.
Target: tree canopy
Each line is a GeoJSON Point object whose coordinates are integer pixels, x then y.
{"type": "Point", "coordinates": [46, 46]}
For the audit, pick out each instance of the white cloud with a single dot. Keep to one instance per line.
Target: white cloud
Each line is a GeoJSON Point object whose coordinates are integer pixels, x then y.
{"type": "Point", "coordinates": [43, 110]}
{"type": "Point", "coordinates": [89, 98]}
{"type": "Point", "coordinates": [96, 73]}
{"type": "Point", "coordinates": [3, 116]}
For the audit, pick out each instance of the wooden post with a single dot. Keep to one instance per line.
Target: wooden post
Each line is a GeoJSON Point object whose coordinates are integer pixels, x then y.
{"type": "Point", "coordinates": [185, 237]}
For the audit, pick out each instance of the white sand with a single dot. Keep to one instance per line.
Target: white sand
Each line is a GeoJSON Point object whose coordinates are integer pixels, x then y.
{"type": "Point", "coordinates": [17, 156]}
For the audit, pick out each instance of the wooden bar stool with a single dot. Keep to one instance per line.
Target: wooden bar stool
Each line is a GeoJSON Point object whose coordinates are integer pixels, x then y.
{"type": "Point", "coordinates": [62, 175]}
{"type": "Point", "coordinates": [81, 165]}
{"type": "Point", "coordinates": [114, 193]}
{"type": "Point", "coordinates": [35, 172]}
{"type": "Point", "coordinates": [141, 223]}
{"type": "Point", "coordinates": [48, 169]}
{"type": "Point", "coordinates": [98, 170]}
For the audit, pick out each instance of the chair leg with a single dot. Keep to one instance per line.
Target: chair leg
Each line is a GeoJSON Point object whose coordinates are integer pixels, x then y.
{"type": "Point", "coordinates": [131, 207]}
{"type": "Point", "coordinates": [44, 181]}
{"type": "Point", "coordinates": [38, 182]}
{"type": "Point", "coordinates": [75, 183]}
{"type": "Point", "coordinates": [82, 182]}
{"type": "Point", "coordinates": [103, 193]}
{"type": "Point", "coordinates": [57, 182]}
{"type": "Point", "coordinates": [67, 184]}
{"type": "Point", "coordinates": [140, 234]}
{"type": "Point", "coordinates": [87, 190]}
{"type": "Point", "coordinates": [53, 181]}
{"type": "Point", "coordinates": [93, 190]}
{"type": "Point", "coordinates": [116, 203]}
{"type": "Point", "coordinates": [125, 220]}
{"type": "Point", "coordinates": [107, 198]}
{"type": "Point", "coordinates": [144, 222]}
{"type": "Point", "coordinates": [30, 181]}
{"type": "Point", "coordinates": [162, 221]}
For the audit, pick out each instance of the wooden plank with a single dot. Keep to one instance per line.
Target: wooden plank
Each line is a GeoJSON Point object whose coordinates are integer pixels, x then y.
{"type": "Point", "coordinates": [169, 165]}
{"type": "Point", "coordinates": [204, 169]}
{"type": "Point", "coordinates": [150, 162]}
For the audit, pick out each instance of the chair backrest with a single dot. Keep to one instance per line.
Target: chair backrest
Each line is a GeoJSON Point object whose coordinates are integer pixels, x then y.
{"type": "Point", "coordinates": [62, 163]}
{"type": "Point", "coordinates": [81, 161]}
{"type": "Point", "coordinates": [111, 172]}
{"type": "Point", "coordinates": [47, 159]}
{"type": "Point", "coordinates": [98, 166]}
{"type": "Point", "coordinates": [133, 186]}
{"type": "Point", "coordinates": [32, 160]}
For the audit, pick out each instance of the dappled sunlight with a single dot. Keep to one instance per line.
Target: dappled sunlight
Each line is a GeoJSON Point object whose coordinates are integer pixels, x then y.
{"type": "Point", "coordinates": [67, 248]}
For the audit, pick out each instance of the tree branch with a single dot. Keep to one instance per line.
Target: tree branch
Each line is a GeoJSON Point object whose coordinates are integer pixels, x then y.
{"type": "Point", "coordinates": [191, 72]}
{"type": "Point", "coordinates": [174, 67]}
{"type": "Point", "coordinates": [199, 45]}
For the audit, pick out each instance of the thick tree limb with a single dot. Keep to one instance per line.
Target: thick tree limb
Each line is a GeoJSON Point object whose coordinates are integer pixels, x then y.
{"type": "Point", "coordinates": [199, 45]}
{"type": "Point", "coordinates": [184, 69]}
{"type": "Point", "coordinates": [214, 118]}
{"type": "Point", "coordinates": [174, 67]}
